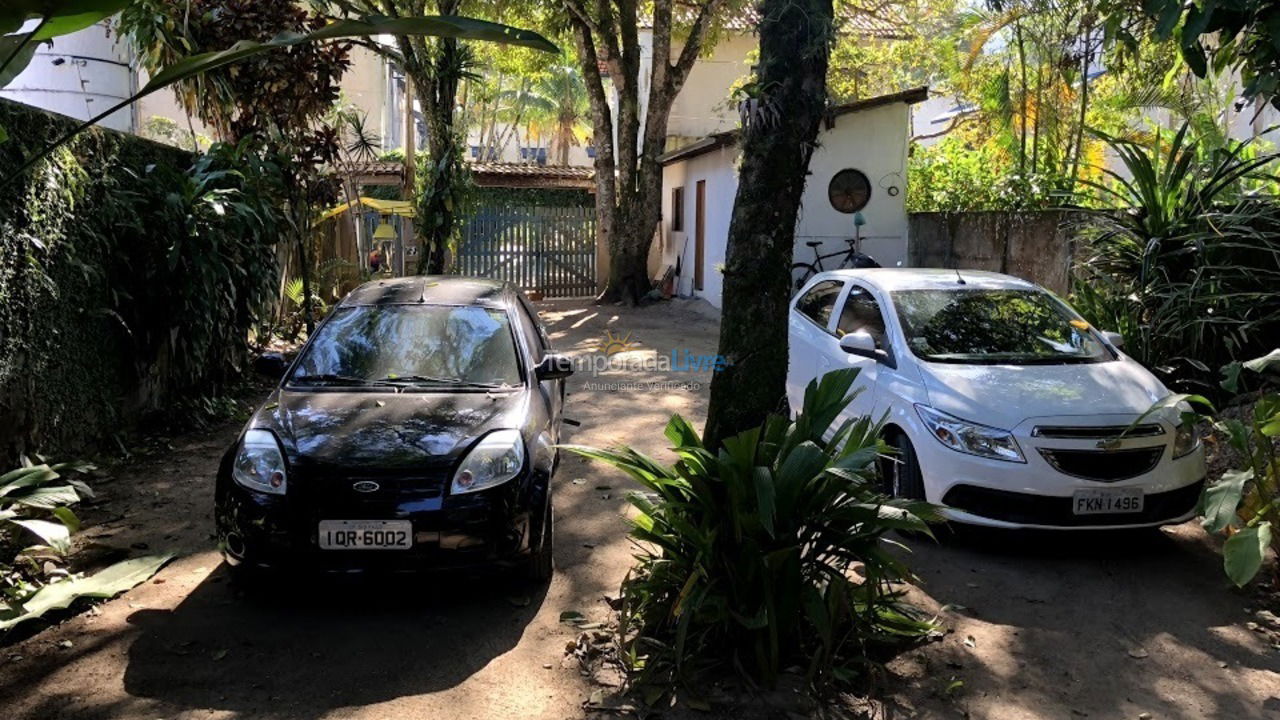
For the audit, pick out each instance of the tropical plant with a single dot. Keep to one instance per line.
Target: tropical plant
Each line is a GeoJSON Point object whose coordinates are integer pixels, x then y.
{"type": "Point", "coordinates": [1211, 36]}
{"type": "Point", "coordinates": [768, 552]}
{"type": "Point", "coordinates": [1244, 503]}
{"type": "Point", "coordinates": [560, 110]}
{"type": "Point", "coordinates": [1192, 258]}
{"type": "Point", "coordinates": [35, 503]}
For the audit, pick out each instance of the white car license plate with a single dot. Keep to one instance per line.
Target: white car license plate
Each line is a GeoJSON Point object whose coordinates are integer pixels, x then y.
{"type": "Point", "coordinates": [1103, 501]}
{"type": "Point", "coordinates": [366, 534]}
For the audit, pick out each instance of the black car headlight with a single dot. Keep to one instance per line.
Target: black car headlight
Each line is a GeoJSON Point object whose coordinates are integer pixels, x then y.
{"type": "Point", "coordinates": [260, 464]}
{"type": "Point", "coordinates": [1185, 439]}
{"type": "Point", "coordinates": [970, 437]}
{"type": "Point", "coordinates": [497, 458]}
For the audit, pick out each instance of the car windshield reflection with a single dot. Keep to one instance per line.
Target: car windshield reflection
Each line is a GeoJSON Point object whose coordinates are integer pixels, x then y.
{"type": "Point", "coordinates": [1005, 327]}
{"type": "Point", "coordinates": [412, 346]}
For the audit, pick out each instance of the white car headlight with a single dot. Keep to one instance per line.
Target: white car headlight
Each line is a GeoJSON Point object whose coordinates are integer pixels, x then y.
{"type": "Point", "coordinates": [968, 437]}
{"type": "Point", "coordinates": [1185, 439]}
{"type": "Point", "coordinates": [497, 458]}
{"type": "Point", "coordinates": [260, 465]}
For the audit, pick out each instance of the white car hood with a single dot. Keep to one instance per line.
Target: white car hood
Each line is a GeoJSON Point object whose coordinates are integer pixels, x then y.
{"type": "Point", "coordinates": [1005, 395]}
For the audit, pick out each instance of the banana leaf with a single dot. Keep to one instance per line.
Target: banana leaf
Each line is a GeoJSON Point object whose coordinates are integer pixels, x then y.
{"type": "Point", "coordinates": [103, 584]}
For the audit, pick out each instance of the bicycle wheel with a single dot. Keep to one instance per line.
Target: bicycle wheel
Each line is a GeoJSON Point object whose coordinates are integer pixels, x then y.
{"type": "Point", "coordinates": [800, 274]}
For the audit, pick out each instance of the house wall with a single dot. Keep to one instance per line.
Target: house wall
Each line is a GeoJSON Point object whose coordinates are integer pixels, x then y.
{"type": "Point", "coordinates": [703, 105]}
{"type": "Point", "coordinates": [873, 141]}
{"type": "Point", "coordinates": [719, 169]}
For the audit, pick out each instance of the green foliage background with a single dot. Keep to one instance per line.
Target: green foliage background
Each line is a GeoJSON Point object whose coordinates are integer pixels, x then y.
{"type": "Point", "coordinates": [126, 281]}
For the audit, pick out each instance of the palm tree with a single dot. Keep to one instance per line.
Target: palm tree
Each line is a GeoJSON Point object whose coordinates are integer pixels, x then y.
{"type": "Point", "coordinates": [559, 108]}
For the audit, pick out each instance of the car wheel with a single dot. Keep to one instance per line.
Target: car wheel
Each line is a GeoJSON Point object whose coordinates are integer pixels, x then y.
{"type": "Point", "coordinates": [541, 564]}
{"type": "Point", "coordinates": [902, 478]}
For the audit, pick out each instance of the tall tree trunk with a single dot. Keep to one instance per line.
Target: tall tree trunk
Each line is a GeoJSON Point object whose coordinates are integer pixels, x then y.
{"type": "Point", "coordinates": [628, 176]}
{"type": "Point", "coordinates": [795, 42]}
{"type": "Point", "coordinates": [1022, 65]}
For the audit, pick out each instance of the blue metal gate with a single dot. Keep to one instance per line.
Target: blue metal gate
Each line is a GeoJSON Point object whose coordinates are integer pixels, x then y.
{"type": "Point", "coordinates": [548, 249]}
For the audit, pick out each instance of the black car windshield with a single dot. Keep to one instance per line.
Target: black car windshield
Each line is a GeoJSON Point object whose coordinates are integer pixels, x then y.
{"type": "Point", "coordinates": [425, 345]}
{"type": "Point", "coordinates": [985, 326]}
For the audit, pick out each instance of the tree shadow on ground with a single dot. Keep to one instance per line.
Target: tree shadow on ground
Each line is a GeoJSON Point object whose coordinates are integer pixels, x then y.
{"type": "Point", "coordinates": [308, 645]}
{"type": "Point", "coordinates": [1110, 624]}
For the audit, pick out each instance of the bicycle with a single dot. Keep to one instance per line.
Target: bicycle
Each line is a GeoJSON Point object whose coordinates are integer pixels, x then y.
{"type": "Point", "coordinates": [853, 258]}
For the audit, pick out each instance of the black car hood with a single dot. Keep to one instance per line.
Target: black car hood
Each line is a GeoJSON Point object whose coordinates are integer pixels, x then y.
{"type": "Point", "coordinates": [387, 431]}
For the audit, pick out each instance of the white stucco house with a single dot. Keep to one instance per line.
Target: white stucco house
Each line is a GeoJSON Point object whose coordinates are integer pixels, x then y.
{"type": "Point", "coordinates": [700, 181]}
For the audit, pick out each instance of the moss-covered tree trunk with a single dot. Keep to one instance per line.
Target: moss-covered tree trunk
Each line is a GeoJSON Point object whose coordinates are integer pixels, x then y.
{"type": "Point", "coordinates": [795, 40]}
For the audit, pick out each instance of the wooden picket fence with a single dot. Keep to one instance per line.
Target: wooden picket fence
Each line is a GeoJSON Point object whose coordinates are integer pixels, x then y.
{"type": "Point", "coordinates": [551, 250]}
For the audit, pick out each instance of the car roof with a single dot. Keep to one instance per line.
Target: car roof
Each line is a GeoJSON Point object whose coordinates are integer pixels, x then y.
{"type": "Point", "coordinates": [891, 279]}
{"type": "Point", "coordinates": [432, 290]}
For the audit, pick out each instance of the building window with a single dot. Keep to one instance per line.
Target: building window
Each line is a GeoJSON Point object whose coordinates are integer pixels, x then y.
{"type": "Point", "coordinates": [677, 210]}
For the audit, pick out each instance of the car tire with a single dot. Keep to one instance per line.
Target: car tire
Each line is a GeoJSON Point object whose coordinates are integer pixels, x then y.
{"type": "Point", "coordinates": [902, 477]}
{"type": "Point", "coordinates": [541, 564]}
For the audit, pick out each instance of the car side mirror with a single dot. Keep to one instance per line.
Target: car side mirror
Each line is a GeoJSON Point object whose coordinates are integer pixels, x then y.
{"type": "Point", "coordinates": [554, 367]}
{"type": "Point", "coordinates": [1115, 338]}
{"type": "Point", "coordinates": [271, 365]}
{"type": "Point", "coordinates": [859, 342]}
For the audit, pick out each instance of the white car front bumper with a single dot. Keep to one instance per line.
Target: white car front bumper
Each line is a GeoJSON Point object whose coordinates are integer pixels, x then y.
{"type": "Point", "coordinates": [1039, 495]}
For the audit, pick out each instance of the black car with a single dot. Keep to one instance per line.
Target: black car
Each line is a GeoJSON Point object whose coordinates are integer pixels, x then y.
{"type": "Point", "coordinates": [416, 429]}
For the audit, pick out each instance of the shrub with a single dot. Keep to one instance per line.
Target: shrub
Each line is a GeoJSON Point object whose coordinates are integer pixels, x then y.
{"type": "Point", "coordinates": [1191, 266]}
{"type": "Point", "coordinates": [1245, 502]}
{"type": "Point", "coordinates": [130, 273]}
{"type": "Point", "coordinates": [767, 552]}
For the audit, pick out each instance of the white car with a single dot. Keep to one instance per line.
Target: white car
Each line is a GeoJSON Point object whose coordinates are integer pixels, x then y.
{"type": "Point", "coordinates": [1004, 405]}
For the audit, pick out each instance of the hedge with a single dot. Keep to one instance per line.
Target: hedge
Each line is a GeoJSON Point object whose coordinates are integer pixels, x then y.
{"type": "Point", "coordinates": [97, 247]}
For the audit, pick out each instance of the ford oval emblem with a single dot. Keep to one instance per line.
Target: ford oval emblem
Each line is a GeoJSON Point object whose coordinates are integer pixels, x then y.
{"type": "Point", "coordinates": [365, 486]}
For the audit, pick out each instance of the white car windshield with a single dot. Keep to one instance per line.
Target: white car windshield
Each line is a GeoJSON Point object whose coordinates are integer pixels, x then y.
{"type": "Point", "coordinates": [412, 345]}
{"type": "Point", "coordinates": [985, 326]}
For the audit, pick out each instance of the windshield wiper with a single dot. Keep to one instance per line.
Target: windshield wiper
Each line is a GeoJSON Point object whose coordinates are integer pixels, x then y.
{"type": "Point", "coordinates": [335, 379]}
{"type": "Point", "coordinates": [436, 380]}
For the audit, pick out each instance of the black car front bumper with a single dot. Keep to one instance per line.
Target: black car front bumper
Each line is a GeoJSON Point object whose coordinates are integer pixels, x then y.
{"type": "Point", "coordinates": [500, 526]}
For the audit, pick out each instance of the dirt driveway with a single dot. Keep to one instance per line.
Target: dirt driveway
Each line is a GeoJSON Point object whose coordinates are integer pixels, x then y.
{"type": "Point", "coordinates": [1101, 627]}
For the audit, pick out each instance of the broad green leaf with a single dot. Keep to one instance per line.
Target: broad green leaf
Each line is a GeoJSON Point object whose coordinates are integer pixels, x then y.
{"type": "Point", "coordinates": [764, 497]}
{"type": "Point", "coordinates": [4, 135]}
{"type": "Point", "coordinates": [54, 534]}
{"type": "Point", "coordinates": [1243, 552]}
{"type": "Point", "coordinates": [1266, 363]}
{"type": "Point", "coordinates": [26, 477]}
{"type": "Point", "coordinates": [18, 50]}
{"type": "Point", "coordinates": [104, 584]}
{"type": "Point", "coordinates": [46, 498]}
{"type": "Point", "coordinates": [1220, 500]}
{"type": "Point", "coordinates": [68, 518]}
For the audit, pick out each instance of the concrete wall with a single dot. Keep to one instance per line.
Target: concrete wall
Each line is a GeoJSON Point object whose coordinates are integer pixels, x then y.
{"type": "Point", "coordinates": [1036, 246]}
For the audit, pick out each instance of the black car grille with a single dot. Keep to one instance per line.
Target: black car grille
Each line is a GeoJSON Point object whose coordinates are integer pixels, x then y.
{"type": "Point", "coordinates": [1096, 432]}
{"type": "Point", "coordinates": [1103, 465]}
{"type": "Point", "coordinates": [1029, 509]}
{"type": "Point", "coordinates": [369, 492]}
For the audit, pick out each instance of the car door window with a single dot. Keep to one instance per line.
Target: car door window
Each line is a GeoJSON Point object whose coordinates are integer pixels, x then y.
{"type": "Point", "coordinates": [861, 312]}
{"type": "Point", "coordinates": [529, 326]}
{"type": "Point", "coordinates": [818, 303]}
